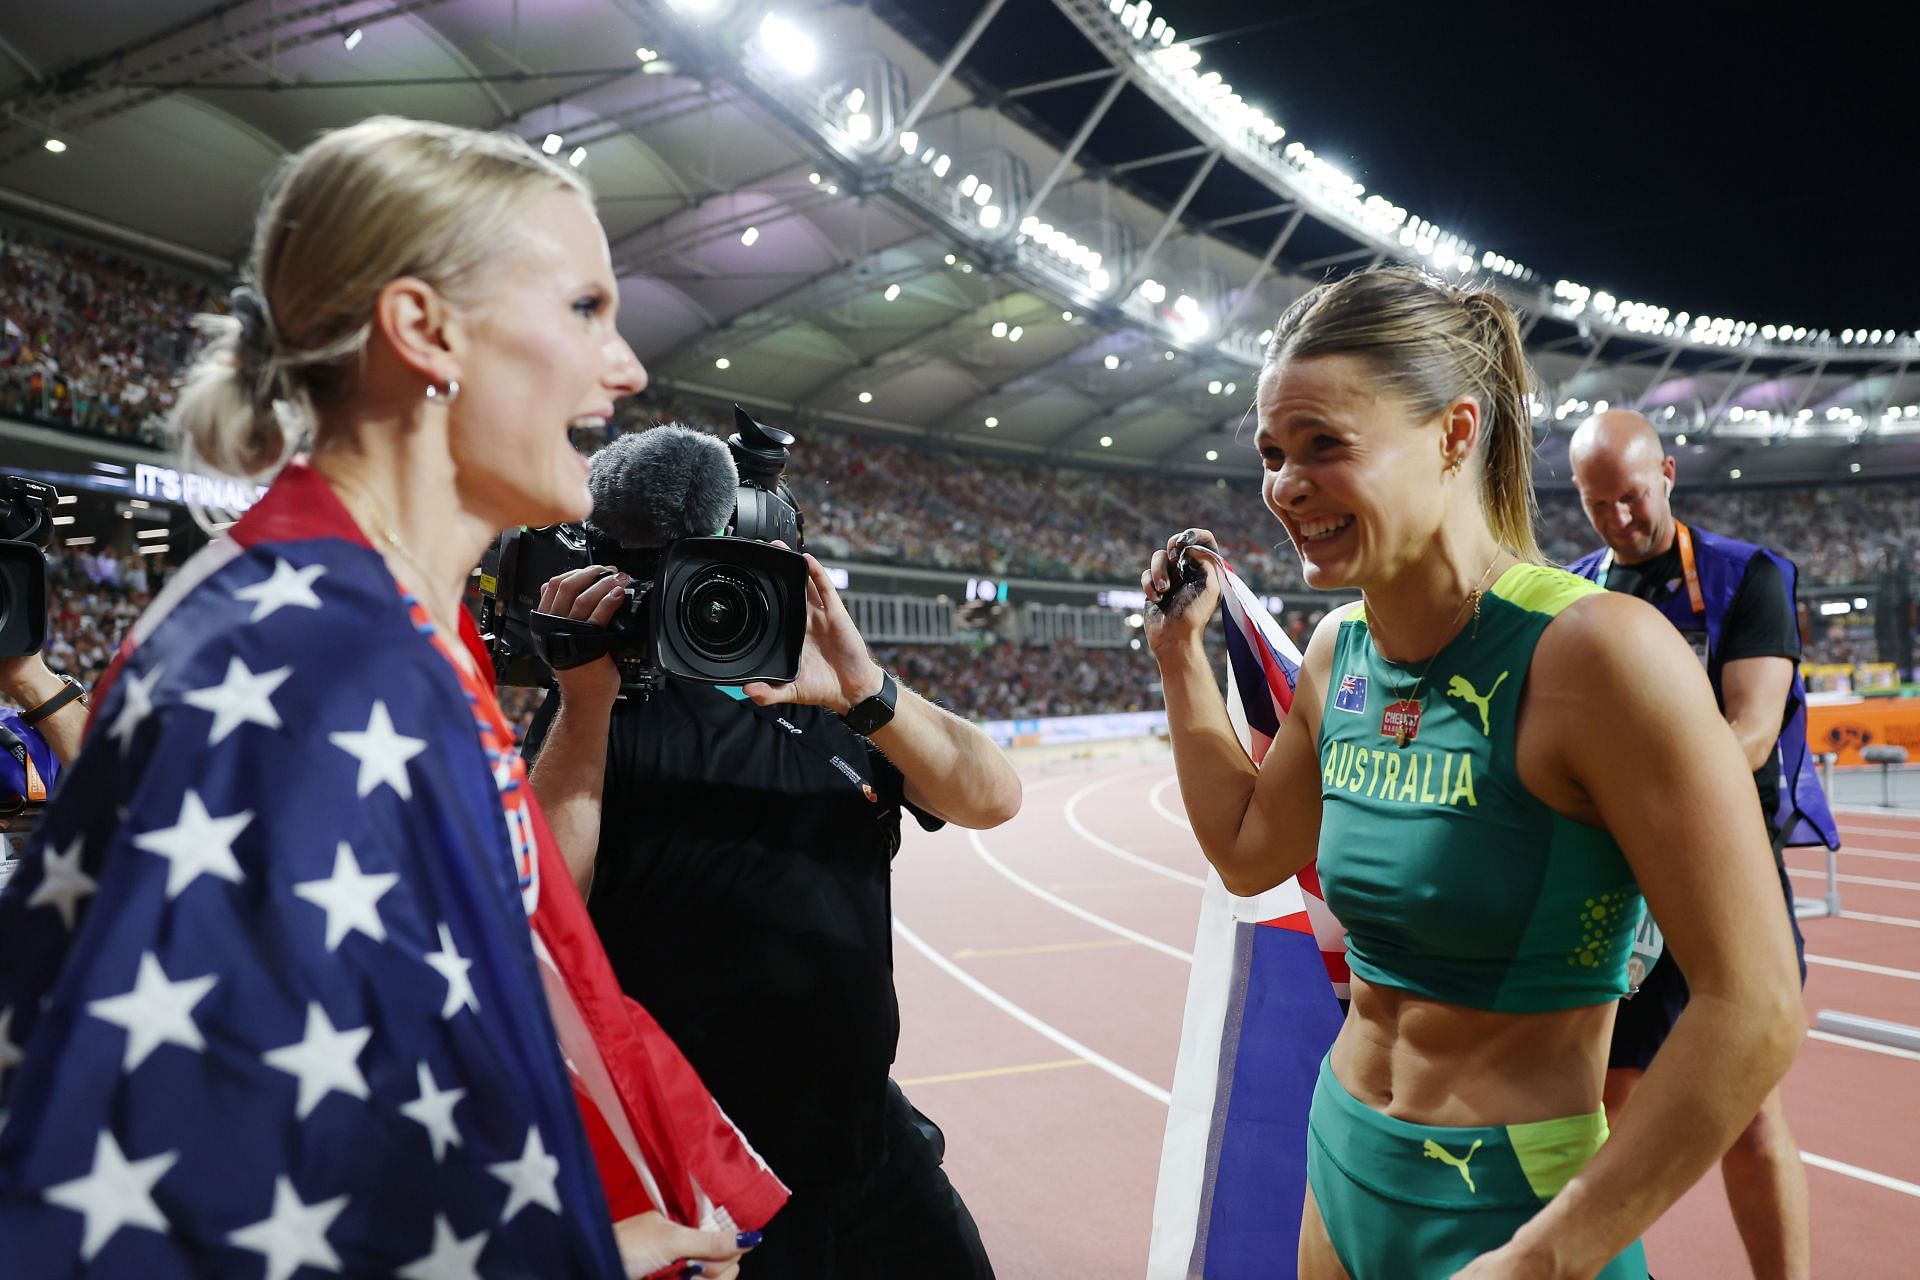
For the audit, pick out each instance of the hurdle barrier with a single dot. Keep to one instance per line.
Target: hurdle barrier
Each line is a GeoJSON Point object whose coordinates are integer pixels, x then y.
{"type": "Point", "coordinates": [1895, 1035]}
{"type": "Point", "coordinates": [1817, 908]}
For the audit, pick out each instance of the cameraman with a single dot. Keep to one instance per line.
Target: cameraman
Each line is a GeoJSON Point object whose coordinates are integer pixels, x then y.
{"type": "Point", "coordinates": [741, 886]}
{"type": "Point", "coordinates": [38, 740]}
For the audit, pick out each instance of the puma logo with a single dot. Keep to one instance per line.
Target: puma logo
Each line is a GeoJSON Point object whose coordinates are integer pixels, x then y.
{"type": "Point", "coordinates": [1459, 687]}
{"type": "Point", "coordinates": [1434, 1151]}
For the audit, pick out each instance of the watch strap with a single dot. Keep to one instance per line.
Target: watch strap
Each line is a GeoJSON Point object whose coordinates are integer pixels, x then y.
{"type": "Point", "coordinates": [869, 715]}
{"type": "Point", "coordinates": [74, 692]}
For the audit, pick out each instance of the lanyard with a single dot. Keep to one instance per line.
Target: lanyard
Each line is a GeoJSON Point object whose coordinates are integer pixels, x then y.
{"type": "Point", "coordinates": [1688, 568]}
{"type": "Point", "coordinates": [819, 748]}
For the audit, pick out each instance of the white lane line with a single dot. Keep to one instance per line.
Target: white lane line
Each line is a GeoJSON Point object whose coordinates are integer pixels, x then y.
{"type": "Point", "coordinates": [1879, 882]}
{"type": "Point", "coordinates": [1885, 854]}
{"type": "Point", "coordinates": [1082, 913]}
{"type": "Point", "coordinates": [1861, 966]}
{"type": "Point", "coordinates": [1850, 828]}
{"type": "Point", "coordinates": [1165, 1097]}
{"type": "Point", "coordinates": [1108, 846]}
{"type": "Point", "coordinates": [1159, 804]}
{"type": "Point", "coordinates": [1871, 918]}
{"type": "Point", "coordinates": [1864, 1175]}
{"type": "Point", "coordinates": [1014, 1011]}
{"type": "Point", "coordinates": [1851, 1042]}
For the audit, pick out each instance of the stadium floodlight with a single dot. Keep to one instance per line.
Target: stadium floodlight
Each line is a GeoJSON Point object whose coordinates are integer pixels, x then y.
{"type": "Point", "coordinates": [1854, 467]}
{"type": "Point", "coordinates": [940, 166]}
{"type": "Point", "coordinates": [646, 56]}
{"type": "Point", "coordinates": [893, 291]}
{"type": "Point", "coordinates": [814, 178]}
{"type": "Point", "coordinates": [866, 397]}
{"type": "Point", "coordinates": [992, 423]}
{"type": "Point", "coordinates": [1681, 438]}
{"type": "Point", "coordinates": [1213, 455]}
{"type": "Point", "coordinates": [909, 142]}
{"type": "Point", "coordinates": [1106, 442]}
{"type": "Point", "coordinates": [552, 143]}
{"type": "Point", "coordinates": [695, 7]}
{"type": "Point", "coordinates": [1153, 291]}
{"type": "Point", "coordinates": [1098, 280]}
{"type": "Point", "coordinates": [1231, 388]}
{"type": "Point", "coordinates": [1213, 388]}
{"type": "Point", "coordinates": [55, 145]}
{"type": "Point", "coordinates": [990, 216]}
{"type": "Point", "coordinates": [1734, 474]}
{"type": "Point", "coordinates": [1013, 334]}
{"type": "Point", "coordinates": [789, 46]}
{"type": "Point", "coordinates": [750, 235]}
{"type": "Point", "coordinates": [857, 99]}
{"type": "Point", "coordinates": [723, 363]}
{"type": "Point", "coordinates": [999, 328]}
{"type": "Point", "coordinates": [969, 184]}
{"type": "Point", "coordinates": [950, 259]}
{"type": "Point", "coordinates": [354, 37]}
{"type": "Point", "coordinates": [1067, 316]}
{"type": "Point", "coordinates": [1112, 362]}
{"type": "Point", "coordinates": [860, 127]}
{"type": "Point", "coordinates": [578, 157]}
{"type": "Point", "coordinates": [982, 194]}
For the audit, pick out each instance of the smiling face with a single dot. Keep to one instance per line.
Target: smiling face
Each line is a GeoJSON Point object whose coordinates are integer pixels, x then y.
{"type": "Point", "coordinates": [543, 357]}
{"type": "Point", "coordinates": [1349, 470]}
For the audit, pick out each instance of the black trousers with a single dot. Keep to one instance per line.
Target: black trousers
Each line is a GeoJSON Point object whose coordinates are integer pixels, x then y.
{"type": "Point", "coordinates": [903, 1221]}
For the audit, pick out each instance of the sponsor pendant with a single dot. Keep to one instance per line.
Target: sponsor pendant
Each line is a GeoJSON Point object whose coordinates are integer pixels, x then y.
{"type": "Point", "coordinates": [1401, 721]}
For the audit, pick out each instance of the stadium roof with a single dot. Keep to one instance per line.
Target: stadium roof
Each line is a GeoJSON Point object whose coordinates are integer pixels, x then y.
{"type": "Point", "coordinates": [834, 213]}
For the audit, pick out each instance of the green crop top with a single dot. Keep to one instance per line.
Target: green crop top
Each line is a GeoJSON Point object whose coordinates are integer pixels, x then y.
{"type": "Point", "coordinates": [1453, 881]}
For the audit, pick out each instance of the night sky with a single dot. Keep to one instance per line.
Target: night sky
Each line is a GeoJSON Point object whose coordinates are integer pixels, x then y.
{"type": "Point", "coordinates": [1761, 162]}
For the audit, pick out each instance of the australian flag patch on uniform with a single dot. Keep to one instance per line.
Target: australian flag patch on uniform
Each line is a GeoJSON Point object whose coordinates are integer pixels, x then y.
{"type": "Point", "coordinates": [1352, 694]}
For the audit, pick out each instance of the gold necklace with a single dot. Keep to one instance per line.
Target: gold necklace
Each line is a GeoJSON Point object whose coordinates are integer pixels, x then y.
{"type": "Point", "coordinates": [366, 513]}
{"type": "Point", "coordinates": [1403, 732]}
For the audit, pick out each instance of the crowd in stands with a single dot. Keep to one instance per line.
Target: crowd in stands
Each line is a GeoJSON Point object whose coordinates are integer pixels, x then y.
{"type": "Point", "coordinates": [91, 340]}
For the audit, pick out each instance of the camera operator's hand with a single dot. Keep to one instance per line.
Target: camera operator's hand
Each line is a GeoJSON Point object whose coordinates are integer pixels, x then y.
{"type": "Point", "coordinates": [592, 594]}
{"type": "Point", "coordinates": [1177, 614]}
{"type": "Point", "coordinates": [836, 671]}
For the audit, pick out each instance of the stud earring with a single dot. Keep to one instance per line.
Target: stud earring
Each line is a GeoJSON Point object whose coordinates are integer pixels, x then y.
{"type": "Point", "coordinates": [448, 393]}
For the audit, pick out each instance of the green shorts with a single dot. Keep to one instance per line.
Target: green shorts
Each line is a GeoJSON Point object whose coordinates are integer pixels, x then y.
{"type": "Point", "coordinates": [1404, 1201]}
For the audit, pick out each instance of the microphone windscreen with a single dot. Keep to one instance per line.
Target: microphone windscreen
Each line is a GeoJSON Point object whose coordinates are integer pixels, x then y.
{"type": "Point", "coordinates": [660, 485]}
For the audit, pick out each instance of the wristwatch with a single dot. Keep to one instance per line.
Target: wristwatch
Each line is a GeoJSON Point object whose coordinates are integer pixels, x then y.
{"type": "Point", "coordinates": [868, 716]}
{"type": "Point", "coordinates": [74, 692]}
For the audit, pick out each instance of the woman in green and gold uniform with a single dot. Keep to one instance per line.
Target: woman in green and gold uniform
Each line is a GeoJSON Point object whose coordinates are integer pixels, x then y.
{"type": "Point", "coordinates": [1493, 761]}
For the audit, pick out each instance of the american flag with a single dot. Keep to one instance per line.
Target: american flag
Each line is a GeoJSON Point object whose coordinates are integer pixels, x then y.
{"type": "Point", "coordinates": [293, 980]}
{"type": "Point", "coordinates": [1263, 1006]}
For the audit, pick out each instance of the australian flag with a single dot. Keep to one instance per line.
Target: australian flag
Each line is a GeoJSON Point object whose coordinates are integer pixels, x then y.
{"type": "Point", "coordinates": [1263, 1007]}
{"type": "Point", "coordinates": [286, 977]}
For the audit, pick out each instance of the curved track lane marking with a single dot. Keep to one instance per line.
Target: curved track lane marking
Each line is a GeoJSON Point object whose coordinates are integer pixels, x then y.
{"type": "Point", "coordinates": [1108, 846]}
{"type": "Point", "coordinates": [1886, 854]}
{"type": "Point", "coordinates": [1864, 1175]}
{"type": "Point", "coordinates": [1878, 882]}
{"type": "Point", "coordinates": [1160, 806]}
{"type": "Point", "coordinates": [1861, 966]}
{"type": "Point", "coordinates": [1099, 921]}
{"type": "Point", "coordinates": [1904, 922]}
{"type": "Point", "coordinates": [1020, 1015]}
{"type": "Point", "coordinates": [1851, 1042]}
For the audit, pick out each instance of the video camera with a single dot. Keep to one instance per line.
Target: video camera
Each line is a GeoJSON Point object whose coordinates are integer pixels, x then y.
{"type": "Point", "coordinates": [689, 520]}
{"type": "Point", "coordinates": [26, 531]}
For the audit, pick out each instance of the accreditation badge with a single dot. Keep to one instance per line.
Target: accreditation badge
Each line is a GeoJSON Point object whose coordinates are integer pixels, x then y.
{"type": "Point", "coordinates": [1401, 721]}
{"type": "Point", "coordinates": [1648, 946]}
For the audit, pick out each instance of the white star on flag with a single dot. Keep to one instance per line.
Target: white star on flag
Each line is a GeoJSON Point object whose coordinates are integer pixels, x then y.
{"type": "Point", "coordinates": [155, 1012]}
{"type": "Point", "coordinates": [198, 844]}
{"type": "Point", "coordinates": [382, 753]}
{"type": "Point", "coordinates": [11, 1054]}
{"type": "Point", "coordinates": [287, 588]}
{"type": "Point", "coordinates": [294, 1235]}
{"type": "Point", "coordinates": [62, 882]}
{"type": "Point", "coordinates": [451, 1259]}
{"type": "Point", "coordinates": [135, 707]}
{"type": "Point", "coordinates": [453, 966]}
{"type": "Point", "coordinates": [323, 1060]}
{"type": "Point", "coordinates": [349, 898]}
{"type": "Point", "coordinates": [115, 1193]}
{"type": "Point", "coordinates": [433, 1111]}
{"type": "Point", "coordinates": [530, 1179]}
{"type": "Point", "coordinates": [241, 698]}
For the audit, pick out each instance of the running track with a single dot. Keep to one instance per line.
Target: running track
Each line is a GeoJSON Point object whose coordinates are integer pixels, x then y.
{"type": "Point", "coordinates": [1042, 968]}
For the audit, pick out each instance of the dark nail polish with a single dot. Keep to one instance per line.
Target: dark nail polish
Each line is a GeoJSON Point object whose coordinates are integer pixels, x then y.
{"type": "Point", "coordinates": [747, 1240]}
{"type": "Point", "coordinates": [692, 1269]}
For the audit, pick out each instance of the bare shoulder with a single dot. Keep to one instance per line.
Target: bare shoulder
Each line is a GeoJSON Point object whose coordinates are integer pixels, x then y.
{"type": "Point", "coordinates": [1606, 637]}
{"type": "Point", "coordinates": [1326, 633]}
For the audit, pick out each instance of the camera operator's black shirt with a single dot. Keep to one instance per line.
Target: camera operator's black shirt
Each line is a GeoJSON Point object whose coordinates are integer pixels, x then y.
{"type": "Point", "coordinates": [742, 890]}
{"type": "Point", "coordinates": [1760, 623]}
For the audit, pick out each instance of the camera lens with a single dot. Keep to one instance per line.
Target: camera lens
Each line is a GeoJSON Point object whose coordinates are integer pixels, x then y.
{"type": "Point", "coordinates": [722, 613]}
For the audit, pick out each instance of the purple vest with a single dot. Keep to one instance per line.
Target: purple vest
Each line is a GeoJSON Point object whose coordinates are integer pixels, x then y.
{"type": "Point", "coordinates": [1722, 563]}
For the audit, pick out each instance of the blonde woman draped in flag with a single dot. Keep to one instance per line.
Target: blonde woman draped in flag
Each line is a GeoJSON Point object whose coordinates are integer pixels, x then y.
{"type": "Point", "coordinates": [1493, 761]}
{"type": "Point", "coordinates": [294, 978]}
